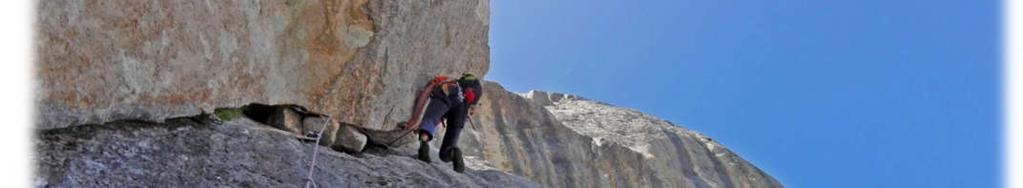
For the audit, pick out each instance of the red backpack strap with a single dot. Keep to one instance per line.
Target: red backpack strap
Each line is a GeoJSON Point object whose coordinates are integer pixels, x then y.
{"type": "Point", "coordinates": [424, 96]}
{"type": "Point", "coordinates": [439, 79]}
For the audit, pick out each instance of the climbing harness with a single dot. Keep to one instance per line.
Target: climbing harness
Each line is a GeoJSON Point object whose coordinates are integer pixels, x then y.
{"type": "Point", "coordinates": [312, 162]}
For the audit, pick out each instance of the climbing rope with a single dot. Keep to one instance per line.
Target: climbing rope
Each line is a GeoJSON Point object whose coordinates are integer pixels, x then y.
{"type": "Point", "coordinates": [413, 123]}
{"type": "Point", "coordinates": [312, 162]}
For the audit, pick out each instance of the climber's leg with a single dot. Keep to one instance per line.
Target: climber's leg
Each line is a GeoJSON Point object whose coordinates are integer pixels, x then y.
{"type": "Point", "coordinates": [456, 121]}
{"type": "Point", "coordinates": [434, 110]}
{"type": "Point", "coordinates": [431, 118]}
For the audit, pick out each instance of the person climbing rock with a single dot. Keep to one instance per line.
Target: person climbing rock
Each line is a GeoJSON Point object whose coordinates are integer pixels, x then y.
{"type": "Point", "coordinates": [451, 102]}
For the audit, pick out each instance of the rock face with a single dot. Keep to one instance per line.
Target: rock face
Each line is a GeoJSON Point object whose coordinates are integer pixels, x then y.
{"type": "Point", "coordinates": [355, 60]}
{"type": "Point", "coordinates": [669, 151]}
{"type": "Point", "coordinates": [113, 75]}
{"type": "Point", "coordinates": [561, 140]}
{"type": "Point", "coordinates": [350, 139]}
{"type": "Point", "coordinates": [195, 152]}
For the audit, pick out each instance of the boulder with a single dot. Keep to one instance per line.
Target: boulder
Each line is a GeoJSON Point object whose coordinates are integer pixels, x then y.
{"type": "Point", "coordinates": [285, 118]}
{"type": "Point", "coordinates": [311, 125]}
{"type": "Point", "coordinates": [391, 138]}
{"type": "Point", "coordinates": [349, 139]}
{"type": "Point", "coordinates": [99, 61]}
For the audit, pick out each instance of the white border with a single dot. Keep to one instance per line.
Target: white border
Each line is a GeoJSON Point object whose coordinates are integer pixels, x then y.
{"type": "Point", "coordinates": [1013, 109]}
{"type": "Point", "coordinates": [16, 76]}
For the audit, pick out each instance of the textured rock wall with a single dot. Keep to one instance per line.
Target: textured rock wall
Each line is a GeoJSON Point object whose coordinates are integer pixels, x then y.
{"type": "Point", "coordinates": [561, 140]}
{"type": "Point", "coordinates": [356, 60]}
{"type": "Point", "coordinates": [193, 152]}
{"type": "Point", "coordinates": [674, 155]}
{"type": "Point", "coordinates": [525, 139]}
{"type": "Point", "coordinates": [519, 137]}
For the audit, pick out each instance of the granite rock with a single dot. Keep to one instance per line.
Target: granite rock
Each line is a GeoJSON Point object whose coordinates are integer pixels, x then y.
{"type": "Point", "coordinates": [287, 118]}
{"type": "Point", "coordinates": [562, 140]}
{"type": "Point", "coordinates": [313, 124]}
{"type": "Point", "coordinates": [672, 155]}
{"type": "Point", "coordinates": [350, 139]}
{"type": "Point", "coordinates": [191, 152]}
{"type": "Point", "coordinates": [357, 60]}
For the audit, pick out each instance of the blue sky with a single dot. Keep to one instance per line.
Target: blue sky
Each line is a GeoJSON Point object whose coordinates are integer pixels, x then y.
{"type": "Point", "coordinates": [866, 93]}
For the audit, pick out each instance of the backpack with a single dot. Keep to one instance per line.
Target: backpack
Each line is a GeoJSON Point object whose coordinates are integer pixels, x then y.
{"type": "Point", "coordinates": [445, 85]}
{"type": "Point", "coordinates": [467, 87]}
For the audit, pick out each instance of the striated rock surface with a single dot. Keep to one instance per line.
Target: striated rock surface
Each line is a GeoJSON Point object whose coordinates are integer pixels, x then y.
{"type": "Point", "coordinates": [197, 152]}
{"type": "Point", "coordinates": [357, 60]}
{"type": "Point", "coordinates": [521, 138]}
{"type": "Point", "coordinates": [673, 155]}
{"type": "Point", "coordinates": [561, 140]}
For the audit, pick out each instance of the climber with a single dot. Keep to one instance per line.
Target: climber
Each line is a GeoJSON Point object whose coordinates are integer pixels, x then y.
{"type": "Point", "coordinates": [453, 102]}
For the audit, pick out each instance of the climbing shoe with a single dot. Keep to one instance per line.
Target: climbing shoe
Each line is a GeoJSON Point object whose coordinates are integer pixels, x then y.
{"type": "Point", "coordinates": [424, 152]}
{"type": "Point", "coordinates": [459, 162]}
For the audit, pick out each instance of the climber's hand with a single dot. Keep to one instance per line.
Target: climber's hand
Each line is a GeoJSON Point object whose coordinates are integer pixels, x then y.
{"type": "Point", "coordinates": [408, 126]}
